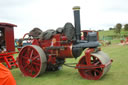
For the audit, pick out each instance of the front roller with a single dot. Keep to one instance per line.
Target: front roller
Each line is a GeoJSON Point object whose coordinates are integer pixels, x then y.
{"type": "Point", "coordinates": [32, 61]}
{"type": "Point", "coordinates": [94, 66]}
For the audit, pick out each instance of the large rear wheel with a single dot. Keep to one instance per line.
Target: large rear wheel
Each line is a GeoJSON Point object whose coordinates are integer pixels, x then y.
{"type": "Point", "coordinates": [32, 61]}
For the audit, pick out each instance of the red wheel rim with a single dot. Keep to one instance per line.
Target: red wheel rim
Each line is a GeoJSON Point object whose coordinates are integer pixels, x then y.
{"type": "Point", "coordinates": [30, 61]}
{"type": "Point", "coordinates": [91, 74]}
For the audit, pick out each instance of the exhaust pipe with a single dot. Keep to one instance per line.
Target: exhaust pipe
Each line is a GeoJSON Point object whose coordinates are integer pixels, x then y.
{"type": "Point", "coordinates": [77, 22]}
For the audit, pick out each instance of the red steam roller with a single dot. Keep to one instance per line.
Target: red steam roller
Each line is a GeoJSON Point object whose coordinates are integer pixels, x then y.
{"type": "Point", "coordinates": [49, 49]}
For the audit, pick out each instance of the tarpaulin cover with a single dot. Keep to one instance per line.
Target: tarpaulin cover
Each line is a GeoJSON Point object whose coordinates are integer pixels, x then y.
{"type": "Point", "coordinates": [6, 77]}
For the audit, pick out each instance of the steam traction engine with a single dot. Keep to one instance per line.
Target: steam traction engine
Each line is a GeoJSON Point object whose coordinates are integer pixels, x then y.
{"type": "Point", "coordinates": [50, 49]}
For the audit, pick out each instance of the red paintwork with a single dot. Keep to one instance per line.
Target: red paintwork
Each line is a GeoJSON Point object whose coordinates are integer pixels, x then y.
{"type": "Point", "coordinates": [29, 40]}
{"type": "Point", "coordinates": [59, 48]}
{"type": "Point", "coordinates": [126, 39]}
{"type": "Point", "coordinates": [8, 35]}
{"type": "Point", "coordinates": [83, 36]}
{"type": "Point", "coordinates": [125, 42]}
{"type": "Point", "coordinates": [65, 52]}
{"type": "Point", "coordinates": [52, 59]}
{"type": "Point", "coordinates": [56, 41]}
{"type": "Point", "coordinates": [7, 53]}
{"type": "Point", "coordinates": [8, 59]}
{"type": "Point", "coordinates": [7, 24]}
{"type": "Point", "coordinates": [31, 63]}
{"type": "Point", "coordinates": [88, 67]}
{"type": "Point", "coordinates": [88, 54]}
{"type": "Point", "coordinates": [7, 56]}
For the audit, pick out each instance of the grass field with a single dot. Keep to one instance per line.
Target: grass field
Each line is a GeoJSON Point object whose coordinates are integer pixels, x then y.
{"type": "Point", "coordinates": [118, 74]}
{"type": "Point", "coordinates": [111, 32]}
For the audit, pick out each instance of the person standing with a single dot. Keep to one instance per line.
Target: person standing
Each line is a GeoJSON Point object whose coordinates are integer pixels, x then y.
{"type": "Point", "coordinates": [6, 77]}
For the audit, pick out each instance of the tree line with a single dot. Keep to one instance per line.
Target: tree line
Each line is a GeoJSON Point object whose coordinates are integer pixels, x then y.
{"type": "Point", "coordinates": [118, 27]}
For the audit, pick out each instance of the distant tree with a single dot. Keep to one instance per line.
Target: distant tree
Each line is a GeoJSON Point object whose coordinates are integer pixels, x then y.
{"type": "Point", "coordinates": [101, 30]}
{"type": "Point", "coordinates": [126, 27]}
{"type": "Point", "coordinates": [118, 28]}
{"type": "Point", "coordinates": [111, 28]}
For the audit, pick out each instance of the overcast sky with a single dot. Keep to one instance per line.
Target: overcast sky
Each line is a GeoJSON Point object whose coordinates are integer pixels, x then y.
{"type": "Point", "coordinates": [51, 14]}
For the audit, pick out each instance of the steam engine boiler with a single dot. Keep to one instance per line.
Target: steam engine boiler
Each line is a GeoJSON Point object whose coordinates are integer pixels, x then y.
{"type": "Point", "coordinates": [50, 49]}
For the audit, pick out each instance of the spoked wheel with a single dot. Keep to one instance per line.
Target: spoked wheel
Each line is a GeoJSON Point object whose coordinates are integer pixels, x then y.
{"type": "Point", "coordinates": [32, 61]}
{"type": "Point", "coordinates": [97, 59]}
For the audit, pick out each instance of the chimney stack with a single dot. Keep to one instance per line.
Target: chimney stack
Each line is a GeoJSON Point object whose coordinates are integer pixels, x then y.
{"type": "Point", "coordinates": [77, 22]}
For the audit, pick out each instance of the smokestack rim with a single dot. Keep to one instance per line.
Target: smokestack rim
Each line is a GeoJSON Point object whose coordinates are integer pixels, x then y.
{"type": "Point", "coordinates": [76, 8]}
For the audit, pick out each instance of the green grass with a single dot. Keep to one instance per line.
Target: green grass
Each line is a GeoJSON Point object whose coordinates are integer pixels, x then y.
{"type": "Point", "coordinates": [106, 33]}
{"type": "Point", "coordinates": [118, 74]}
{"type": "Point", "coordinates": [111, 33]}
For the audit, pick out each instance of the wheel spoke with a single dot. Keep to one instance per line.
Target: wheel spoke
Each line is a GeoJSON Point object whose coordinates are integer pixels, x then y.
{"type": "Point", "coordinates": [38, 64]}
{"type": "Point", "coordinates": [90, 73]}
{"type": "Point", "coordinates": [31, 53]}
{"type": "Point", "coordinates": [96, 63]}
{"type": "Point", "coordinates": [25, 53]}
{"type": "Point", "coordinates": [26, 65]}
{"type": "Point", "coordinates": [98, 71]}
{"type": "Point", "coordinates": [29, 70]}
{"type": "Point", "coordinates": [95, 73]}
{"type": "Point", "coordinates": [37, 68]}
{"type": "Point", "coordinates": [33, 69]}
{"type": "Point", "coordinates": [86, 71]}
{"type": "Point", "coordinates": [25, 57]}
{"type": "Point", "coordinates": [35, 57]}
